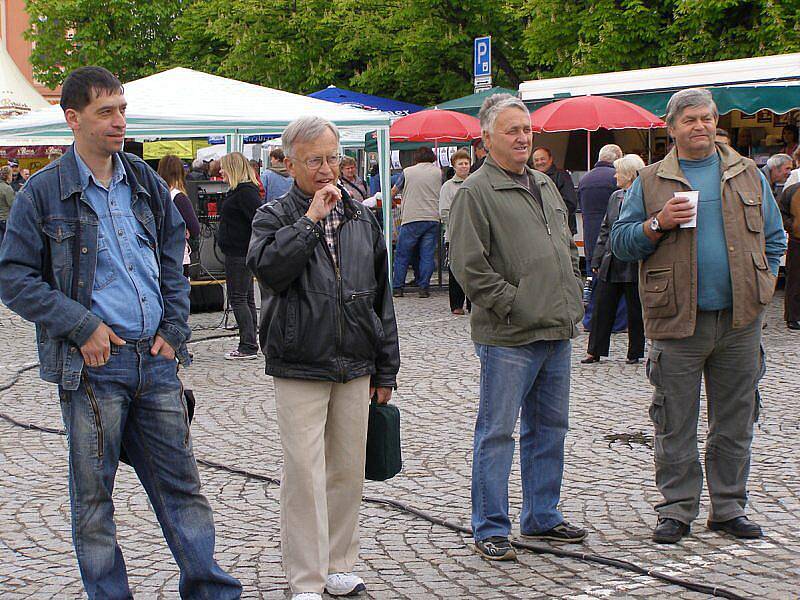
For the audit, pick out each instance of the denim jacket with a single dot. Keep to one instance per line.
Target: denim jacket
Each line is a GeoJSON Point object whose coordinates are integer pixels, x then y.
{"type": "Point", "coordinates": [49, 217]}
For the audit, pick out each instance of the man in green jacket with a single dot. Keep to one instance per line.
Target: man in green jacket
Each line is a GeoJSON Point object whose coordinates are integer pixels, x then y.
{"type": "Point", "coordinates": [512, 251]}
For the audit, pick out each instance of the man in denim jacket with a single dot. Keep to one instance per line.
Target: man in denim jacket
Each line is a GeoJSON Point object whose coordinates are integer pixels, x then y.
{"type": "Point", "coordinates": [92, 255]}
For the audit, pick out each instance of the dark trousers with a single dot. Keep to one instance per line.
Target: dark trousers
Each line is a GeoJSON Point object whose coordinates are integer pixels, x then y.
{"type": "Point", "coordinates": [791, 302]}
{"type": "Point", "coordinates": [457, 295]}
{"type": "Point", "coordinates": [243, 301]}
{"type": "Point", "coordinates": [606, 297]}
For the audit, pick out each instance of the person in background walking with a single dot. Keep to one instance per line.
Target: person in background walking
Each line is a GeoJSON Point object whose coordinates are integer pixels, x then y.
{"type": "Point", "coordinates": [420, 221]}
{"type": "Point", "coordinates": [777, 171]}
{"type": "Point", "coordinates": [480, 155]}
{"type": "Point", "coordinates": [256, 166]}
{"type": "Point", "coordinates": [615, 278]}
{"type": "Point", "coordinates": [170, 167]}
{"type": "Point", "coordinates": [704, 288]}
{"type": "Point", "coordinates": [461, 163]}
{"type": "Point", "coordinates": [352, 181]}
{"type": "Point", "coordinates": [235, 227]}
{"type": "Point", "coordinates": [17, 180]}
{"type": "Point", "coordinates": [199, 170]}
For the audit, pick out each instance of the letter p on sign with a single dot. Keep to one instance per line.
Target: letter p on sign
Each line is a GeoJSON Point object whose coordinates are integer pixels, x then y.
{"type": "Point", "coordinates": [482, 57]}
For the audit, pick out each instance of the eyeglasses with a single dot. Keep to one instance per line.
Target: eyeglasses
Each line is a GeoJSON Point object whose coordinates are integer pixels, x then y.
{"type": "Point", "coordinates": [315, 162]}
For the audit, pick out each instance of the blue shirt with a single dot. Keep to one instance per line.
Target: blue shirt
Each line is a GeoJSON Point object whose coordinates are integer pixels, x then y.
{"type": "Point", "coordinates": [126, 293]}
{"type": "Point", "coordinates": [629, 242]}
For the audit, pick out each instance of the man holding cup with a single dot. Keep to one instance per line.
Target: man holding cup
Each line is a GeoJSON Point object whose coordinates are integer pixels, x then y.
{"type": "Point", "coordinates": [707, 231]}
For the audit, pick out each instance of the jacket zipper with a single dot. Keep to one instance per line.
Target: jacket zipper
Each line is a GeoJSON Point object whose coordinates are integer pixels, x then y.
{"type": "Point", "coordinates": [96, 412]}
{"type": "Point", "coordinates": [339, 296]}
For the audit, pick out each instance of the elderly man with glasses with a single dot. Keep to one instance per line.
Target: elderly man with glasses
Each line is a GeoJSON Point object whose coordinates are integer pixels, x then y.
{"type": "Point", "coordinates": [329, 337]}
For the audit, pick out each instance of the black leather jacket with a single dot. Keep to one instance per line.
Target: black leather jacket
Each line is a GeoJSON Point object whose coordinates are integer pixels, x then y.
{"type": "Point", "coordinates": [319, 321]}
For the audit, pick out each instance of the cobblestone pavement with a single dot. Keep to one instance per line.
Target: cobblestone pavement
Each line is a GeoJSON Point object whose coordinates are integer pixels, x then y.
{"type": "Point", "coordinates": [608, 485]}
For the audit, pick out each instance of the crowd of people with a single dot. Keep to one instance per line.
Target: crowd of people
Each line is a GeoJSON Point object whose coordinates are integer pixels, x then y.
{"type": "Point", "coordinates": [95, 255]}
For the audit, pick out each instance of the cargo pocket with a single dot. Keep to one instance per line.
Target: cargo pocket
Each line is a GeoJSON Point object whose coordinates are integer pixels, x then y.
{"type": "Point", "coordinates": [765, 280]}
{"type": "Point", "coordinates": [752, 211]}
{"type": "Point", "coordinates": [658, 298]}
{"type": "Point", "coordinates": [652, 367]}
{"type": "Point", "coordinates": [658, 413]}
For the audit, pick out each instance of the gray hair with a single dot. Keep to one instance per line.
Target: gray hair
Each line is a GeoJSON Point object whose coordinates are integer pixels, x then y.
{"type": "Point", "coordinates": [198, 164]}
{"type": "Point", "coordinates": [628, 166]}
{"type": "Point", "coordinates": [776, 161]}
{"type": "Point", "coordinates": [609, 153]}
{"type": "Point", "coordinates": [305, 129]}
{"type": "Point", "coordinates": [689, 98]}
{"type": "Point", "coordinates": [494, 105]}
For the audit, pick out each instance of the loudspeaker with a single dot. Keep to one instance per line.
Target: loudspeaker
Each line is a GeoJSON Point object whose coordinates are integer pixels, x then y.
{"type": "Point", "coordinates": [207, 298]}
{"type": "Point", "coordinates": [208, 262]}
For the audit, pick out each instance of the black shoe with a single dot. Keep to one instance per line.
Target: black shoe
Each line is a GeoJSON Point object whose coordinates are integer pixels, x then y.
{"type": "Point", "coordinates": [740, 527]}
{"type": "Point", "coordinates": [590, 359]}
{"type": "Point", "coordinates": [496, 548]}
{"type": "Point", "coordinates": [563, 532]}
{"type": "Point", "coordinates": [669, 531]}
{"type": "Point", "coordinates": [632, 361]}
{"type": "Point", "coordinates": [424, 293]}
{"type": "Point", "coordinates": [793, 325]}
{"type": "Point", "coordinates": [398, 293]}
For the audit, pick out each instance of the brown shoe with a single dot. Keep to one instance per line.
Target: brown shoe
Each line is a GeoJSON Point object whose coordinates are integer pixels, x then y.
{"type": "Point", "coordinates": [458, 311]}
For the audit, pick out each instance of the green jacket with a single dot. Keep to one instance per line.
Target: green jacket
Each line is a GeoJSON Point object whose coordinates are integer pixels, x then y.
{"type": "Point", "coordinates": [6, 200]}
{"type": "Point", "coordinates": [516, 262]}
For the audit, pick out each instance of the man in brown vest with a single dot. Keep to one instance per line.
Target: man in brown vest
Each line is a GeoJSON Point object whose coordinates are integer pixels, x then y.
{"type": "Point", "coordinates": [789, 203]}
{"type": "Point", "coordinates": [707, 271]}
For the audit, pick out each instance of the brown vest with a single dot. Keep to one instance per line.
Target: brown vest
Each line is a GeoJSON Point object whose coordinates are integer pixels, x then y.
{"type": "Point", "coordinates": [668, 277]}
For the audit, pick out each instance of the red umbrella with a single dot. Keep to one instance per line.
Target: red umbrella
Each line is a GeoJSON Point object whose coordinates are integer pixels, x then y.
{"type": "Point", "coordinates": [592, 113]}
{"type": "Point", "coordinates": [435, 126]}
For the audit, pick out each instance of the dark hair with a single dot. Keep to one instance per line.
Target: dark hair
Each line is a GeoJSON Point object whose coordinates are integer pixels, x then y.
{"type": "Point", "coordinates": [277, 154]}
{"type": "Point", "coordinates": [793, 129]}
{"type": "Point", "coordinates": [424, 154]}
{"type": "Point", "coordinates": [85, 84]}
{"type": "Point", "coordinates": [545, 148]}
{"type": "Point", "coordinates": [722, 132]}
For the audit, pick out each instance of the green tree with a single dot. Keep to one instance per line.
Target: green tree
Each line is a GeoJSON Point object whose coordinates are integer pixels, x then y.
{"type": "Point", "coordinates": [128, 37]}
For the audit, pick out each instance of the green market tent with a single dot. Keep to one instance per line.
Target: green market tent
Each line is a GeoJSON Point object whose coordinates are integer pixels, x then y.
{"type": "Point", "coordinates": [748, 85]}
{"type": "Point", "coordinates": [472, 104]}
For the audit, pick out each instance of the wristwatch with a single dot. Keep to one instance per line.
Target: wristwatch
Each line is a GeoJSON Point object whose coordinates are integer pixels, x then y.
{"type": "Point", "coordinates": [655, 225]}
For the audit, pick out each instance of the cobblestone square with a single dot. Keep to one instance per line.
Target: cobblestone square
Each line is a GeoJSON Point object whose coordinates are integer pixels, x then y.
{"type": "Point", "coordinates": [608, 481]}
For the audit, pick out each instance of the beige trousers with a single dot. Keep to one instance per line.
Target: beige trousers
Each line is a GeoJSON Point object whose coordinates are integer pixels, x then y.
{"type": "Point", "coordinates": [323, 428]}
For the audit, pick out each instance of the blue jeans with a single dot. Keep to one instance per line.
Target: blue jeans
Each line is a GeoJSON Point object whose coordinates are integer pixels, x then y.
{"type": "Point", "coordinates": [424, 234]}
{"type": "Point", "coordinates": [533, 379]}
{"type": "Point", "coordinates": [136, 400]}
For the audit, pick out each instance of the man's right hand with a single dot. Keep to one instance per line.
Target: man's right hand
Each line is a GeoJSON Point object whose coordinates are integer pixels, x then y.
{"type": "Point", "coordinates": [323, 202]}
{"type": "Point", "coordinates": [677, 210]}
{"type": "Point", "coordinates": [97, 348]}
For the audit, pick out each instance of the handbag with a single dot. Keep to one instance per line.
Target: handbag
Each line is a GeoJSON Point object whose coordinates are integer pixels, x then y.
{"type": "Point", "coordinates": [384, 459]}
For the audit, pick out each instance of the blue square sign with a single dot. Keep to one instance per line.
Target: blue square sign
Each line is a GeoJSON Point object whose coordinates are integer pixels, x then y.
{"type": "Point", "coordinates": [482, 57]}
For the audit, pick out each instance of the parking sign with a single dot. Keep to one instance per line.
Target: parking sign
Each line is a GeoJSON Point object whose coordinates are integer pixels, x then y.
{"type": "Point", "coordinates": [482, 62]}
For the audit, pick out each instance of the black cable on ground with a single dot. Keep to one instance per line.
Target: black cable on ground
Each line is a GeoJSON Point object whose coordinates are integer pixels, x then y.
{"type": "Point", "coordinates": [702, 588]}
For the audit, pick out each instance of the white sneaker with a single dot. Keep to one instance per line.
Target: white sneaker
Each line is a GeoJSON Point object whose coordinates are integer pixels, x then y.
{"type": "Point", "coordinates": [307, 596]}
{"type": "Point", "coordinates": [344, 584]}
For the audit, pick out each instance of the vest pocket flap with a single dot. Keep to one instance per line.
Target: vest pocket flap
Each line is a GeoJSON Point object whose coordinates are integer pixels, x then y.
{"type": "Point", "coordinates": [656, 287]}
{"type": "Point", "coordinates": [760, 262]}
{"type": "Point", "coordinates": [752, 211]}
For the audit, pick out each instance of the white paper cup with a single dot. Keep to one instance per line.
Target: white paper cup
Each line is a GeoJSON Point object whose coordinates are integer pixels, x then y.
{"type": "Point", "coordinates": [694, 197]}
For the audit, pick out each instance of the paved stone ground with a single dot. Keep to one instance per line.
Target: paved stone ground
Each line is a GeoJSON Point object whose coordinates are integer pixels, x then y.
{"type": "Point", "coordinates": [608, 487]}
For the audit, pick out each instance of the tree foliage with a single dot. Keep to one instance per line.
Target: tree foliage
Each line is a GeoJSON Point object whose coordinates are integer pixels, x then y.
{"type": "Point", "coordinates": [414, 50]}
{"type": "Point", "coordinates": [128, 37]}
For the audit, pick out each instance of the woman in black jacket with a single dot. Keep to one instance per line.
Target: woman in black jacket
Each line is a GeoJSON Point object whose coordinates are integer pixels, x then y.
{"type": "Point", "coordinates": [235, 227]}
{"type": "Point", "coordinates": [615, 277]}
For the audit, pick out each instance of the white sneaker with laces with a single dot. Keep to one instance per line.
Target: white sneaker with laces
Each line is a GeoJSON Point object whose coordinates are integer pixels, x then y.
{"type": "Point", "coordinates": [344, 584]}
{"type": "Point", "coordinates": [307, 596]}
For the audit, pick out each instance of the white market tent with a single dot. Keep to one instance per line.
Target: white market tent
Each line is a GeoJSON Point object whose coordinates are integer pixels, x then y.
{"type": "Point", "coordinates": [185, 103]}
{"type": "Point", "coordinates": [783, 67]}
{"type": "Point", "coordinates": [17, 96]}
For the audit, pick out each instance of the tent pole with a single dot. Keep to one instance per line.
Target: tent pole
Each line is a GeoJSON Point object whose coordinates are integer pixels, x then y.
{"type": "Point", "coordinates": [384, 172]}
{"type": "Point", "coordinates": [649, 147]}
{"type": "Point", "coordinates": [588, 150]}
